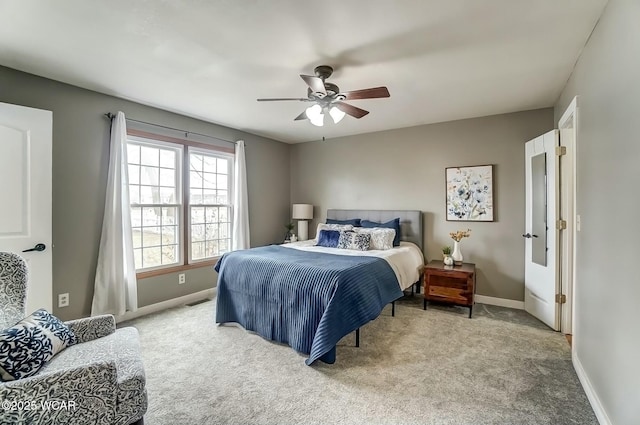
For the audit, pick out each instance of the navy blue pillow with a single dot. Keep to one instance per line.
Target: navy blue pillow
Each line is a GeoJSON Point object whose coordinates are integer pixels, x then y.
{"type": "Point", "coordinates": [393, 224]}
{"type": "Point", "coordinates": [355, 222]}
{"type": "Point", "coordinates": [328, 238]}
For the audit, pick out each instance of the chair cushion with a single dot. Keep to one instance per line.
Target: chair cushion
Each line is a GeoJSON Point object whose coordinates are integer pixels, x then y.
{"type": "Point", "coordinates": [123, 348]}
{"type": "Point", "coordinates": [28, 345]}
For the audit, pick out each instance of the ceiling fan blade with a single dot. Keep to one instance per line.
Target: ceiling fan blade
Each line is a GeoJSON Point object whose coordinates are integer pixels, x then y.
{"type": "Point", "coordinates": [275, 99]}
{"type": "Point", "coordinates": [302, 116]}
{"type": "Point", "coordinates": [316, 83]}
{"type": "Point", "coordinates": [371, 93]}
{"type": "Point", "coordinates": [350, 109]}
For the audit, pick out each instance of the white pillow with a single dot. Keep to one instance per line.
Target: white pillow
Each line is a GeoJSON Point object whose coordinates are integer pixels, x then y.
{"type": "Point", "coordinates": [381, 238]}
{"type": "Point", "coordinates": [339, 227]}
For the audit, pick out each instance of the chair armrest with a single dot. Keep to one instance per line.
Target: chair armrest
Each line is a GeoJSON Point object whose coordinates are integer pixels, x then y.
{"type": "Point", "coordinates": [90, 328]}
{"type": "Point", "coordinates": [85, 394]}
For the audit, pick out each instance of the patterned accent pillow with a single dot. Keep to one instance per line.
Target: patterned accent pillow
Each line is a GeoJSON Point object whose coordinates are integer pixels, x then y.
{"type": "Point", "coordinates": [353, 240]}
{"type": "Point", "coordinates": [30, 343]}
{"type": "Point", "coordinates": [381, 238]}
{"type": "Point", "coordinates": [338, 227]}
{"type": "Point", "coordinates": [392, 224]}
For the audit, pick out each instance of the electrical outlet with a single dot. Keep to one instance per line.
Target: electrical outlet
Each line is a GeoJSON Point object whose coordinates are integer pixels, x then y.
{"type": "Point", "coordinates": [63, 300]}
{"type": "Point", "coordinates": [181, 278]}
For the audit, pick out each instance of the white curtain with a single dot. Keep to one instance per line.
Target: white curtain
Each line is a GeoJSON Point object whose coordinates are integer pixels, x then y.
{"type": "Point", "coordinates": [240, 237]}
{"type": "Point", "coordinates": [115, 285]}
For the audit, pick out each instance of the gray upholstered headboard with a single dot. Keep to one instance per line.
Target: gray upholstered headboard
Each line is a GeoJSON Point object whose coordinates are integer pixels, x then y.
{"type": "Point", "coordinates": [410, 221]}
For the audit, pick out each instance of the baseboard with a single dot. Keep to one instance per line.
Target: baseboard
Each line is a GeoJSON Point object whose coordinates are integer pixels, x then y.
{"type": "Point", "coordinates": [596, 405]}
{"type": "Point", "coordinates": [502, 302]}
{"type": "Point", "coordinates": [174, 302]}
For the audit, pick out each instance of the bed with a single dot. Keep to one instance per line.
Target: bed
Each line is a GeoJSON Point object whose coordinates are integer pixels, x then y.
{"type": "Point", "coordinates": [310, 297]}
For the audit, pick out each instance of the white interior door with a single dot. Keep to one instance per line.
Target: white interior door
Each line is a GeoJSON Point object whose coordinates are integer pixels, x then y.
{"type": "Point", "coordinates": [25, 195]}
{"type": "Point", "coordinates": [541, 237]}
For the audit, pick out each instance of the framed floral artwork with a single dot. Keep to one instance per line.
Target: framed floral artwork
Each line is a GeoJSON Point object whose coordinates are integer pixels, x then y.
{"type": "Point", "coordinates": [469, 193]}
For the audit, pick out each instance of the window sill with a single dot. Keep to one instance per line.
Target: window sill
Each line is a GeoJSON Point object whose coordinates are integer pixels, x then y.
{"type": "Point", "coordinates": [175, 269]}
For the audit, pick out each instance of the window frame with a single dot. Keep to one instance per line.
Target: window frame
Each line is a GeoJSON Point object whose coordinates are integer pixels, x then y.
{"type": "Point", "coordinates": [184, 247]}
{"type": "Point", "coordinates": [179, 184]}
{"type": "Point", "coordinates": [187, 204]}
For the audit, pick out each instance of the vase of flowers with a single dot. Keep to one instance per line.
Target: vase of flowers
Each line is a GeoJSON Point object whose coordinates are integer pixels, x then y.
{"type": "Point", "coordinates": [457, 237]}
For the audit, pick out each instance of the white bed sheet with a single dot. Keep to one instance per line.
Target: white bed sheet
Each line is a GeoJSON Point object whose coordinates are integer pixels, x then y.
{"type": "Point", "coordinates": [405, 260]}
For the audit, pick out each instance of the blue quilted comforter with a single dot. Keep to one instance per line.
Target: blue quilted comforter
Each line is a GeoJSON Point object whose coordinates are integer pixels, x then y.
{"type": "Point", "coordinates": [306, 299]}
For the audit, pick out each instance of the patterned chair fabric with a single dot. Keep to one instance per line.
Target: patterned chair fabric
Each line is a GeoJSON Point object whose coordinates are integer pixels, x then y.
{"type": "Point", "coordinates": [13, 289]}
{"type": "Point", "coordinates": [100, 380]}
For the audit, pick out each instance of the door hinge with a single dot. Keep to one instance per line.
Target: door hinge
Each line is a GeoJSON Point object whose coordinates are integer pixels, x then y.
{"type": "Point", "coordinates": [561, 150]}
{"type": "Point", "coordinates": [561, 298]}
{"type": "Point", "coordinates": [561, 224]}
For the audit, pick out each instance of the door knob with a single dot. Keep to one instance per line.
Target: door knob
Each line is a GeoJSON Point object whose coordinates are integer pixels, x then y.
{"type": "Point", "coordinates": [527, 235]}
{"type": "Point", "coordinates": [38, 247]}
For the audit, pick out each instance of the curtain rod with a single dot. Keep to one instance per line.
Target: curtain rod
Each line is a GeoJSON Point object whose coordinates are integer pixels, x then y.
{"type": "Point", "coordinates": [186, 133]}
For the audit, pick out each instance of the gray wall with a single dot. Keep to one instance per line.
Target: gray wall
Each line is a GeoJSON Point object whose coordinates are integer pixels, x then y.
{"type": "Point", "coordinates": [405, 169]}
{"type": "Point", "coordinates": [80, 159]}
{"type": "Point", "coordinates": [606, 335]}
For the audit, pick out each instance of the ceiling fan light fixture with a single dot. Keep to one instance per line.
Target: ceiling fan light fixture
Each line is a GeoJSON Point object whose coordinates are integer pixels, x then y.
{"type": "Point", "coordinates": [327, 98]}
{"type": "Point", "coordinates": [336, 114]}
{"type": "Point", "coordinates": [315, 115]}
{"type": "Point", "coordinates": [317, 121]}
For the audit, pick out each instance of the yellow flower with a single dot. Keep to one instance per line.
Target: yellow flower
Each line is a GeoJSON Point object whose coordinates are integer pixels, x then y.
{"type": "Point", "coordinates": [459, 234]}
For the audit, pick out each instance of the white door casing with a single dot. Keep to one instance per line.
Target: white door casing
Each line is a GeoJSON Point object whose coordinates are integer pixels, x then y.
{"type": "Point", "coordinates": [542, 280]}
{"type": "Point", "coordinates": [568, 139]}
{"type": "Point", "coordinates": [25, 195]}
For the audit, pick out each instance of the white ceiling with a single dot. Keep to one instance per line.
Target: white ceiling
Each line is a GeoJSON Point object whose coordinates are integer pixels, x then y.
{"type": "Point", "coordinates": [442, 60]}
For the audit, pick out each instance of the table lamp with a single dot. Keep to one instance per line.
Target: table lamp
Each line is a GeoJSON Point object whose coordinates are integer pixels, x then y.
{"type": "Point", "coordinates": [302, 213]}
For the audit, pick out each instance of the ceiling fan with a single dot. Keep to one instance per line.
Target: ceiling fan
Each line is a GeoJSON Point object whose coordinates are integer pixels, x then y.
{"type": "Point", "coordinates": [327, 97]}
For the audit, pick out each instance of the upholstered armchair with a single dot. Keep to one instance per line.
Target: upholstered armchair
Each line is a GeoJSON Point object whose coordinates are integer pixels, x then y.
{"type": "Point", "coordinates": [98, 380]}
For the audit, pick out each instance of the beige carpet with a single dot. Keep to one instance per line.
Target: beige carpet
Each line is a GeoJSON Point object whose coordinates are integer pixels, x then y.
{"type": "Point", "coordinates": [420, 367]}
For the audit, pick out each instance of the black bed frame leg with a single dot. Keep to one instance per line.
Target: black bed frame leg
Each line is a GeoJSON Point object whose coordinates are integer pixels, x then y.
{"type": "Point", "coordinates": [358, 337]}
{"type": "Point", "coordinates": [393, 309]}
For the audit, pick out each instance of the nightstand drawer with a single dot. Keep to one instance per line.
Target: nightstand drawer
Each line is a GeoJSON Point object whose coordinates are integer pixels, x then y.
{"type": "Point", "coordinates": [453, 294]}
{"type": "Point", "coordinates": [448, 281]}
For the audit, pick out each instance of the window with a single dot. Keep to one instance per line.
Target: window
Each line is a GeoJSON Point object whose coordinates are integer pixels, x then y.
{"type": "Point", "coordinates": [170, 229]}
{"type": "Point", "coordinates": [209, 204]}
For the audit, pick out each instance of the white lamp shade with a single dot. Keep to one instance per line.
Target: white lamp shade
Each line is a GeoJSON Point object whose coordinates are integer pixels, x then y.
{"type": "Point", "coordinates": [336, 114]}
{"type": "Point", "coordinates": [314, 111]}
{"type": "Point", "coordinates": [302, 212]}
{"type": "Point", "coordinates": [315, 115]}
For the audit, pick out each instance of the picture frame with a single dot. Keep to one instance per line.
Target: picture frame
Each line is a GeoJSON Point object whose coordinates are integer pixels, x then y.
{"type": "Point", "coordinates": [469, 193]}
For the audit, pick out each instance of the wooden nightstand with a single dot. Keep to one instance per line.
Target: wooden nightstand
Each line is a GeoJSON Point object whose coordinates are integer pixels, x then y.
{"type": "Point", "coordinates": [450, 284]}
